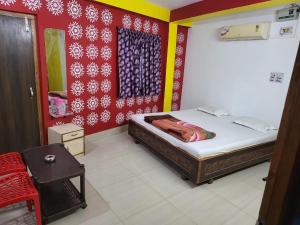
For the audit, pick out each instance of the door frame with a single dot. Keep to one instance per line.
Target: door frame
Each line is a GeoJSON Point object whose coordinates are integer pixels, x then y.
{"type": "Point", "coordinates": [36, 66]}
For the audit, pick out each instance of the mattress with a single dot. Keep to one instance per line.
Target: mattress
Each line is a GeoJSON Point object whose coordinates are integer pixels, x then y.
{"type": "Point", "coordinates": [230, 136]}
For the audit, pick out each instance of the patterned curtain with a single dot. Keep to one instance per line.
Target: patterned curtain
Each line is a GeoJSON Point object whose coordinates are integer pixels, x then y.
{"type": "Point", "coordinates": [139, 59]}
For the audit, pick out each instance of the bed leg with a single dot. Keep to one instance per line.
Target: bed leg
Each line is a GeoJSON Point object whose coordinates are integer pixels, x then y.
{"type": "Point", "coordinates": [184, 177]}
{"type": "Point", "coordinates": [210, 181]}
{"type": "Point", "coordinates": [137, 142]}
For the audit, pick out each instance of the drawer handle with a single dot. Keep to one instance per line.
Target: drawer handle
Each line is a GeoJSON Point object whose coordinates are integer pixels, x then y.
{"type": "Point", "coordinates": [74, 135]}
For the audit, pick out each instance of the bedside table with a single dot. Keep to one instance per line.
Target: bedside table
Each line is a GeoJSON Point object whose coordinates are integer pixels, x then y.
{"type": "Point", "coordinates": [70, 135]}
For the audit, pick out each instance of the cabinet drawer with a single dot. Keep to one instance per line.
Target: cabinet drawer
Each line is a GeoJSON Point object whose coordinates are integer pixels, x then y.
{"type": "Point", "coordinates": [73, 135]}
{"type": "Point", "coordinates": [76, 146]}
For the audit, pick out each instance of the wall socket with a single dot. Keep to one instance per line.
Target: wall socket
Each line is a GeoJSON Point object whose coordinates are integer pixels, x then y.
{"type": "Point", "coordinates": [276, 77]}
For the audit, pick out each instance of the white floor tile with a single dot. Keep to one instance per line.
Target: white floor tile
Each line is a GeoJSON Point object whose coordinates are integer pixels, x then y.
{"type": "Point", "coordinates": [241, 219]}
{"type": "Point", "coordinates": [166, 181]}
{"type": "Point", "coordinates": [162, 214]}
{"type": "Point", "coordinates": [129, 197]}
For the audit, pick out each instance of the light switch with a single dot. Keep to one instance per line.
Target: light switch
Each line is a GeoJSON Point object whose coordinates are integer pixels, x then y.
{"type": "Point", "coordinates": [276, 77]}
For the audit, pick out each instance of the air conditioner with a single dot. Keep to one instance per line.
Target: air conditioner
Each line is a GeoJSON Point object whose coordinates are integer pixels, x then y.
{"type": "Point", "coordinates": [257, 31]}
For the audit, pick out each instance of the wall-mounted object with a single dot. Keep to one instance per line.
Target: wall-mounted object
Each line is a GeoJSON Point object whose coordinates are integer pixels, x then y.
{"type": "Point", "coordinates": [70, 135]}
{"type": "Point", "coordinates": [257, 31]}
{"type": "Point", "coordinates": [286, 30]}
{"type": "Point", "coordinates": [291, 13]}
{"type": "Point", "coordinates": [276, 77]}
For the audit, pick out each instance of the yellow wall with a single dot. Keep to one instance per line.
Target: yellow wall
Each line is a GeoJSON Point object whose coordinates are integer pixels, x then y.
{"type": "Point", "coordinates": [170, 67]}
{"type": "Point", "coordinates": [142, 7]}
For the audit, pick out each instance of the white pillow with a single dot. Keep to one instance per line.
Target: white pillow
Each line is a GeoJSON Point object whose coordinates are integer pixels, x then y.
{"type": "Point", "coordinates": [213, 111]}
{"type": "Point", "coordinates": [254, 124]}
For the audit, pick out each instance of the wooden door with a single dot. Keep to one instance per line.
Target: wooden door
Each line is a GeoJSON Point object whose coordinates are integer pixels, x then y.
{"type": "Point", "coordinates": [19, 117]}
{"type": "Point", "coordinates": [281, 201]}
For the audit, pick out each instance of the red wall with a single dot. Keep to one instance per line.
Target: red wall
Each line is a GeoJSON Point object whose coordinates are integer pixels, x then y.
{"type": "Point", "coordinates": [182, 35]}
{"type": "Point", "coordinates": [96, 109]}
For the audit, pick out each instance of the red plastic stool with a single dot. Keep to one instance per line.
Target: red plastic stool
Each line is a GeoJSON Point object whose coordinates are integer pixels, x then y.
{"type": "Point", "coordinates": [10, 163]}
{"type": "Point", "coordinates": [18, 187]}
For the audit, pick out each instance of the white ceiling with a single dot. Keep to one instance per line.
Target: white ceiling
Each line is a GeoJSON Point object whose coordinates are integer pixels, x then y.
{"type": "Point", "coordinates": [173, 4]}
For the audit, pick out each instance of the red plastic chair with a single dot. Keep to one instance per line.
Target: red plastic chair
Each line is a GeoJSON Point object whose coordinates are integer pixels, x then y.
{"type": "Point", "coordinates": [10, 163]}
{"type": "Point", "coordinates": [18, 187]}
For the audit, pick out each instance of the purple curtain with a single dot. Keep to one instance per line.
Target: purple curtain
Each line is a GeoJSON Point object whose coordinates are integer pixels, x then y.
{"type": "Point", "coordinates": [139, 60]}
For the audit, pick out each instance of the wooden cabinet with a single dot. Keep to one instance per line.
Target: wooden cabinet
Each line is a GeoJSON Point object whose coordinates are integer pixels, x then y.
{"type": "Point", "coordinates": [70, 135]}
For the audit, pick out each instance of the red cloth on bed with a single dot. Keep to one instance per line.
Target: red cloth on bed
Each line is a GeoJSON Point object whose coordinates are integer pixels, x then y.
{"type": "Point", "coordinates": [179, 129]}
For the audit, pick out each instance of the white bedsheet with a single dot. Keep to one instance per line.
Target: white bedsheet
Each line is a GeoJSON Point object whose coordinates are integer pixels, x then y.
{"type": "Point", "coordinates": [229, 137]}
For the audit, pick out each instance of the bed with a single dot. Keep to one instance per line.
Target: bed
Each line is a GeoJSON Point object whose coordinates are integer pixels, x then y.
{"type": "Point", "coordinates": [235, 147]}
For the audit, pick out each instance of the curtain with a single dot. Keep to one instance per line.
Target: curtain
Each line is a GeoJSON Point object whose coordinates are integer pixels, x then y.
{"type": "Point", "coordinates": [139, 61]}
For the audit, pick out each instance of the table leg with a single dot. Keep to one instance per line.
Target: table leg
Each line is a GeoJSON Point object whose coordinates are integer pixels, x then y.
{"type": "Point", "coordinates": [82, 190]}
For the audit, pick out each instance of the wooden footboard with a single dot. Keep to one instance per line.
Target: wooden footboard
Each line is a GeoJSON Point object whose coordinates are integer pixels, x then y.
{"type": "Point", "coordinates": [196, 169]}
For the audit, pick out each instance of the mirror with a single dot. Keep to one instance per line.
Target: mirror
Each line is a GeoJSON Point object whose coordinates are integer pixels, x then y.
{"type": "Point", "coordinates": [56, 72]}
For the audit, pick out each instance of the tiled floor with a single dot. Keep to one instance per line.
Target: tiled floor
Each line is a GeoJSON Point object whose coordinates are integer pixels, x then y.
{"type": "Point", "coordinates": [137, 188]}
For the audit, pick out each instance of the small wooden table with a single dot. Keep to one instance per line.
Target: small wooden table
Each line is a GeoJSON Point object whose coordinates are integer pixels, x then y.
{"type": "Point", "coordinates": [58, 196]}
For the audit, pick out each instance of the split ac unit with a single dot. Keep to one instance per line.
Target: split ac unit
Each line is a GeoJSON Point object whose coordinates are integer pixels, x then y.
{"type": "Point", "coordinates": [257, 31]}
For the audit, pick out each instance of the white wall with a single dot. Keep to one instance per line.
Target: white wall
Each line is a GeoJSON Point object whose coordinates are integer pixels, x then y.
{"type": "Point", "coordinates": [235, 74]}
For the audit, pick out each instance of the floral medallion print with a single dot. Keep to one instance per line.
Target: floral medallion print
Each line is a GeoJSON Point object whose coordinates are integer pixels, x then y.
{"type": "Point", "coordinates": [147, 26]}
{"type": "Point", "coordinates": [130, 102]}
{"type": "Point", "coordinates": [175, 96]}
{"type": "Point", "coordinates": [120, 103]}
{"type": "Point", "coordinates": [148, 99]}
{"type": "Point", "coordinates": [147, 110]}
{"type": "Point", "coordinates": [92, 103]}
{"type": "Point", "coordinates": [128, 115]}
{"type": "Point", "coordinates": [106, 17]}
{"type": "Point", "coordinates": [139, 100]}
{"type": "Point", "coordinates": [77, 70]}
{"type": "Point", "coordinates": [155, 98]}
{"type": "Point", "coordinates": [126, 21]}
{"type": "Point", "coordinates": [78, 120]}
{"type": "Point", "coordinates": [76, 51]}
{"type": "Point", "coordinates": [56, 7]}
{"type": "Point", "coordinates": [178, 62]}
{"type": "Point", "coordinates": [7, 2]}
{"type": "Point", "coordinates": [92, 119]}
{"type": "Point", "coordinates": [155, 28]}
{"type": "Point", "coordinates": [176, 85]}
{"type": "Point", "coordinates": [92, 69]}
{"type": "Point", "coordinates": [93, 87]}
{"type": "Point", "coordinates": [105, 116]}
{"type": "Point", "coordinates": [180, 38]}
{"type": "Point", "coordinates": [74, 9]}
{"type": "Point", "coordinates": [105, 86]}
{"type": "Point", "coordinates": [106, 35]}
{"type": "Point", "coordinates": [177, 74]}
{"type": "Point", "coordinates": [106, 53]}
{"type": "Point", "coordinates": [32, 5]}
{"type": "Point", "coordinates": [91, 33]}
{"type": "Point", "coordinates": [105, 101]}
{"type": "Point", "coordinates": [175, 107]}
{"type": "Point", "coordinates": [139, 111]}
{"type": "Point", "coordinates": [77, 105]}
{"type": "Point", "coordinates": [77, 88]}
{"type": "Point", "coordinates": [137, 24]}
{"type": "Point", "coordinates": [155, 109]}
{"type": "Point", "coordinates": [106, 70]}
{"type": "Point", "coordinates": [179, 50]}
{"type": "Point", "coordinates": [92, 51]}
{"type": "Point", "coordinates": [120, 118]}
{"type": "Point", "coordinates": [75, 30]}
{"type": "Point", "coordinates": [91, 13]}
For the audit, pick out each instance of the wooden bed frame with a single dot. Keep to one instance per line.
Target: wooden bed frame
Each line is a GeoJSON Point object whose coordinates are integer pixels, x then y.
{"type": "Point", "coordinates": [200, 170]}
